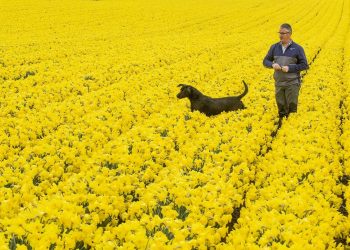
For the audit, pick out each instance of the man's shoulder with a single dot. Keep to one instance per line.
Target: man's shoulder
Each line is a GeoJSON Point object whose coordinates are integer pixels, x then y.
{"type": "Point", "coordinates": [275, 44]}
{"type": "Point", "coordinates": [296, 45]}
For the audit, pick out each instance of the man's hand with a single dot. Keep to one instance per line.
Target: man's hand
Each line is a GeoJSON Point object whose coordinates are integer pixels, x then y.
{"type": "Point", "coordinates": [276, 66]}
{"type": "Point", "coordinates": [285, 69]}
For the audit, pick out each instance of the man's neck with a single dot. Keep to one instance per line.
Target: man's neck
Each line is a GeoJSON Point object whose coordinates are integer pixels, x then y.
{"type": "Point", "coordinates": [286, 43]}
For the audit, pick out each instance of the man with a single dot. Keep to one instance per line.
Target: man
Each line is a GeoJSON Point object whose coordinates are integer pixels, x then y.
{"type": "Point", "coordinates": [287, 58]}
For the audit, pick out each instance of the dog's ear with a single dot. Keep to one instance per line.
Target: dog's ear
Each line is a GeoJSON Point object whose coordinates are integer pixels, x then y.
{"type": "Point", "coordinates": [193, 92]}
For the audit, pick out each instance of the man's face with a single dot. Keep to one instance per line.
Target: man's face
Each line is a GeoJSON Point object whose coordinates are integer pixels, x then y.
{"type": "Point", "coordinates": [284, 35]}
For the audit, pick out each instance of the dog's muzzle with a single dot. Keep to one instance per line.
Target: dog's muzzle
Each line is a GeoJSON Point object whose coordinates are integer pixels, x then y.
{"type": "Point", "coordinates": [179, 96]}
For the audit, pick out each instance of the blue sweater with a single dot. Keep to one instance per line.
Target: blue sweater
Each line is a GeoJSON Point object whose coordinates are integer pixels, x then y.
{"type": "Point", "coordinates": [293, 57]}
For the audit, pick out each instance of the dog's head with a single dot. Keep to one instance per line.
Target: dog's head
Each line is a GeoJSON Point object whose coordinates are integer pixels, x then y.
{"type": "Point", "coordinates": [187, 91]}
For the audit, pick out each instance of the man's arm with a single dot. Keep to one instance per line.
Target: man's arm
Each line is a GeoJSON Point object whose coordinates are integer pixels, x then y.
{"type": "Point", "coordinates": [302, 63]}
{"type": "Point", "coordinates": [268, 60]}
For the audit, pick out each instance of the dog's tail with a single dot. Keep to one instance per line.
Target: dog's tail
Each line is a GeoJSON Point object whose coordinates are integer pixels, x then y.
{"type": "Point", "coordinates": [245, 90]}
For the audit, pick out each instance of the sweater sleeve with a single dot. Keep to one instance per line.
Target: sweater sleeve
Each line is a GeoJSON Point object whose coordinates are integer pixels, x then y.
{"type": "Point", "coordinates": [268, 60]}
{"type": "Point", "coordinates": [301, 63]}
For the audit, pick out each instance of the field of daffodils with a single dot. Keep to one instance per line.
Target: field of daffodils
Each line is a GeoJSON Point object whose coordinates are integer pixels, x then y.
{"type": "Point", "coordinates": [96, 151]}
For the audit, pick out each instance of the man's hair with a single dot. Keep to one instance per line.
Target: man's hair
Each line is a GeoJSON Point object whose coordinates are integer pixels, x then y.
{"type": "Point", "coordinates": [286, 26]}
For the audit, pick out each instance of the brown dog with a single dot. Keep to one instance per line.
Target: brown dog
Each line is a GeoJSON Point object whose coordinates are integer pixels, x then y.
{"type": "Point", "coordinates": [211, 106]}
